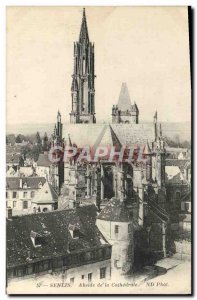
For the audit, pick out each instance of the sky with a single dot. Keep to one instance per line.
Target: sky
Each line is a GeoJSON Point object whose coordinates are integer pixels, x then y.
{"type": "Point", "coordinates": [146, 47]}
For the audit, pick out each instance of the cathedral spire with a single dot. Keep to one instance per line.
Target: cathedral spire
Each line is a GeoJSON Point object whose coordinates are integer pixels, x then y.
{"type": "Point", "coordinates": [82, 88]}
{"type": "Point", "coordinates": [83, 37]}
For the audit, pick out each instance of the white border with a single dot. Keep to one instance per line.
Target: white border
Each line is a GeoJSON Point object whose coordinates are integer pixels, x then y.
{"type": "Point", "coordinates": [3, 5]}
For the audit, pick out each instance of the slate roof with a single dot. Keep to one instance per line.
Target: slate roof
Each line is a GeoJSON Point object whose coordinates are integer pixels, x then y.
{"type": "Point", "coordinates": [115, 211]}
{"type": "Point", "coordinates": [107, 138]}
{"type": "Point", "coordinates": [181, 163]}
{"type": "Point", "coordinates": [13, 183]}
{"type": "Point", "coordinates": [53, 228]}
{"type": "Point", "coordinates": [127, 134]}
{"type": "Point", "coordinates": [46, 194]}
{"type": "Point", "coordinates": [43, 160]}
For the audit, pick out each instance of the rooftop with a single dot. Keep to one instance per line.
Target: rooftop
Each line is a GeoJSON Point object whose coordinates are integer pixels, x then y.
{"type": "Point", "coordinates": [14, 183]}
{"type": "Point", "coordinates": [46, 194]}
{"type": "Point", "coordinates": [53, 227]}
{"type": "Point", "coordinates": [115, 211]}
{"type": "Point", "coordinates": [43, 160]}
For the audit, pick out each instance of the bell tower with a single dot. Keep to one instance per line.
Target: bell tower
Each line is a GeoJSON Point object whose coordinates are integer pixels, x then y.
{"type": "Point", "coordinates": [82, 89]}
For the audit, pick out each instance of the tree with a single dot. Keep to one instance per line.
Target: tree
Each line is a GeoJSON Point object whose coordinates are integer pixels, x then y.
{"type": "Point", "coordinates": [38, 139]}
{"type": "Point", "coordinates": [18, 139]}
{"type": "Point", "coordinates": [25, 150]}
{"type": "Point", "coordinates": [45, 142]}
{"type": "Point", "coordinates": [35, 152]}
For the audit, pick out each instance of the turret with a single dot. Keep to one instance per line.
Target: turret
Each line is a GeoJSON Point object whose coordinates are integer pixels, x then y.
{"type": "Point", "coordinates": [125, 112]}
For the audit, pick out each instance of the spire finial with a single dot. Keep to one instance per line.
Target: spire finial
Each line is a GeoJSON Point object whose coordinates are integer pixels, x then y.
{"type": "Point", "coordinates": [155, 117]}
{"type": "Point", "coordinates": [83, 37]}
{"type": "Point", "coordinates": [84, 12]}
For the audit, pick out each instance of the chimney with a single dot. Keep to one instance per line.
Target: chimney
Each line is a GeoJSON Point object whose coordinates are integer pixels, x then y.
{"type": "Point", "coordinates": [21, 183]}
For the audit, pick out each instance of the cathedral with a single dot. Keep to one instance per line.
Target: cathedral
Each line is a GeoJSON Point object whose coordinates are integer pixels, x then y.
{"type": "Point", "coordinates": [130, 197]}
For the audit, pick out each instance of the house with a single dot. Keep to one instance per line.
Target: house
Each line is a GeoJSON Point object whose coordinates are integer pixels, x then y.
{"type": "Point", "coordinates": [178, 153]}
{"type": "Point", "coordinates": [26, 171]}
{"type": "Point", "coordinates": [14, 160]}
{"type": "Point", "coordinates": [43, 165]}
{"type": "Point", "coordinates": [185, 214]}
{"type": "Point", "coordinates": [45, 200]}
{"type": "Point", "coordinates": [20, 191]}
{"type": "Point", "coordinates": [178, 180]}
{"type": "Point", "coordinates": [66, 241]}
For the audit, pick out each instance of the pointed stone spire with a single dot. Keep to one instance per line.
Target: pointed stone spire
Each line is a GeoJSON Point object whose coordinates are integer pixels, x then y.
{"type": "Point", "coordinates": [83, 37]}
{"type": "Point", "coordinates": [155, 117]}
{"type": "Point", "coordinates": [147, 150]}
{"type": "Point", "coordinates": [124, 101]}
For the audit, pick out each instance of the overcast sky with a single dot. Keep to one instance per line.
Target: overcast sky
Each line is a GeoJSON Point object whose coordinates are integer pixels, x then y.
{"type": "Point", "coordinates": [146, 47]}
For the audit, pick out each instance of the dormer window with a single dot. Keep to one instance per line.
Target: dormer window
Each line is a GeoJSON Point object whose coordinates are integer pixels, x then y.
{"type": "Point", "coordinates": [25, 185]}
{"type": "Point", "coordinates": [40, 185]}
{"type": "Point", "coordinates": [36, 239]}
{"type": "Point", "coordinates": [74, 231]}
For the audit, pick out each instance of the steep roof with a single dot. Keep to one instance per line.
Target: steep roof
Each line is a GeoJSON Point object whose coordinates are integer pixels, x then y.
{"type": "Point", "coordinates": [13, 183]}
{"type": "Point", "coordinates": [43, 160]}
{"type": "Point", "coordinates": [124, 101]}
{"type": "Point", "coordinates": [107, 137]}
{"type": "Point", "coordinates": [127, 134]}
{"type": "Point", "coordinates": [147, 150]}
{"type": "Point", "coordinates": [46, 194]}
{"type": "Point", "coordinates": [53, 227]}
{"type": "Point", "coordinates": [115, 211]}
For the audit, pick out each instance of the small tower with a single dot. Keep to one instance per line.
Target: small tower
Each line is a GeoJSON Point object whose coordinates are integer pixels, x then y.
{"type": "Point", "coordinates": [82, 89]}
{"type": "Point", "coordinates": [158, 163]}
{"type": "Point", "coordinates": [115, 222]}
{"type": "Point", "coordinates": [124, 111]}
